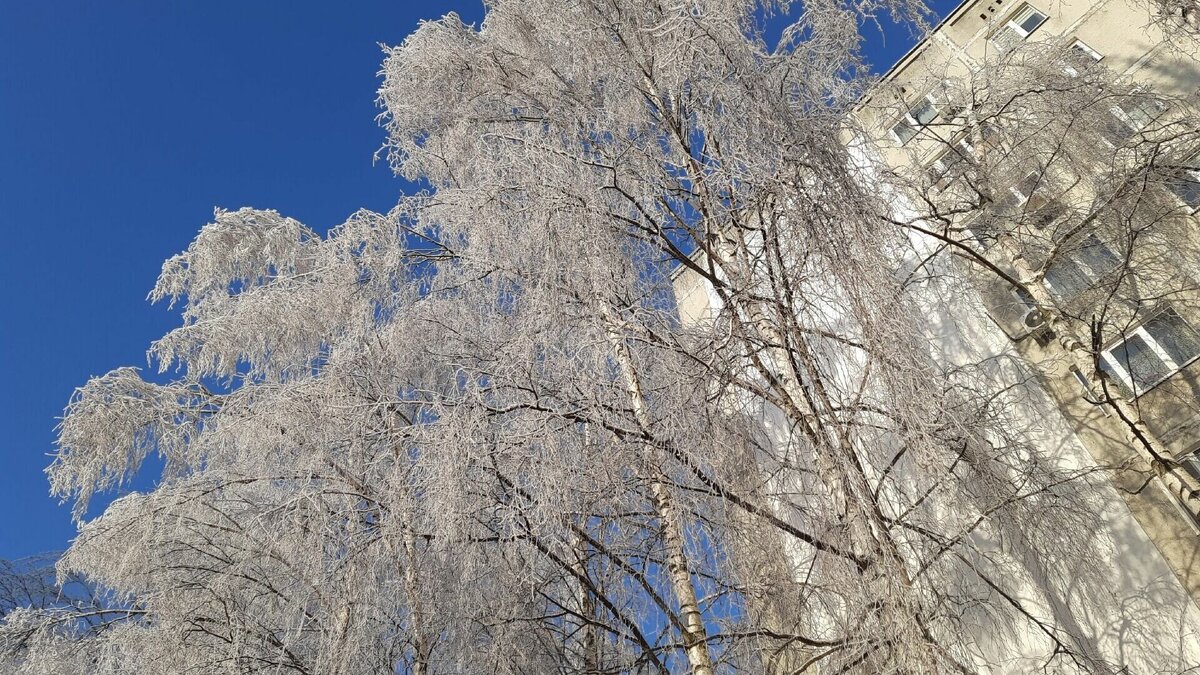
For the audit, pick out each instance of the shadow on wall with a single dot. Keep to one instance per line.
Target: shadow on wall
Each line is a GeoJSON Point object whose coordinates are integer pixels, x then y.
{"type": "Point", "coordinates": [1100, 587]}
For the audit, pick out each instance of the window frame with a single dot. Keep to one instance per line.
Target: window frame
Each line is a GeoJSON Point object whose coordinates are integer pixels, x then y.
{"type": "Point", "coordinates": [945, 162]}
{"type": "Point", "coordinates": [1022, 198]}
{"type": "Point", "coordinates": [1085, 48]}
{"type": "Point", "coordinates": [1108, 354]}
{"type": "Point", "coordinates": [1191, 166]}
{"type": "Point", "coordinates": [1081, 47]}
{"type": "Point", "coordinates": [1190, 461]}
{"type": "Point", "coordinates": [1123, 117]}
{"type": "Point", "coordinates": [911, 120]}
{"type": "Point", "coordinates": [1090, 273]}
{"type": "Point", "coordinates": [1013, 23]}
{"type": "Point", "coordinates": [1127, 117]}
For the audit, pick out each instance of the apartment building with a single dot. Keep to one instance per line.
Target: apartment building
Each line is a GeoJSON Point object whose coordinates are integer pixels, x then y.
{"type": "Point", "coordinates": [1094, 219]}
{"type": "Point", "coordinates": [1047, 156]}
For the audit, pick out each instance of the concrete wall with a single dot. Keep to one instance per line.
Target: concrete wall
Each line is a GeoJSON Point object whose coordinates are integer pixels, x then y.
{"type": "Point", "coordinates": [1127, 596]}
{"type": "Point", "coordinates": [1135, 50]}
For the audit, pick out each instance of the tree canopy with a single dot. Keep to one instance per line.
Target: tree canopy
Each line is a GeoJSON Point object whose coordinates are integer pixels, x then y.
{"type": "Point", "coordinates": [472, 435]}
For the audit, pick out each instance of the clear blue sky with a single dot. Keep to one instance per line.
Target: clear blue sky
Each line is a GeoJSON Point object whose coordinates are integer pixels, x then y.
{"type": "Point", "coordinates": [122, 124]}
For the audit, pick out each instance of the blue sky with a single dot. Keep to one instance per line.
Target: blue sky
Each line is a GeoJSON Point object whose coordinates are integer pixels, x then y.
{"type": "Point", "coordinates": [122, 124]}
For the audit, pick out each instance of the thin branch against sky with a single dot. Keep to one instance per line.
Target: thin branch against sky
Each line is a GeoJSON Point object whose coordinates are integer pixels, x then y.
{"type": "Point", "coordinates": [123, 127]}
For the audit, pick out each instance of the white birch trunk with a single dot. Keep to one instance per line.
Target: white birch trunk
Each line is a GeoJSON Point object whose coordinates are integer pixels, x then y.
{"type": "Point", "coordinates": [1177, 481]}
{"type": "Point", "coordinates": [695, 635]}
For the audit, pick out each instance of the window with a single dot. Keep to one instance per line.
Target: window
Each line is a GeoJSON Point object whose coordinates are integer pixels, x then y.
{"type": "Point", "coordinates": [1186, 185]}
{"type": "Point", "coordinates": [1080, 47]}
{"type": "Point", "coordinates": [1079, 57]}
{"type": "Point", "coordinates": [1023, 190]}
{"type": "Point", "coordinates": [1138, 112]}
{"type": "Point", "coordinates": [984, 236]}
{"type": "Point", "coordinates": [1131, 116]}
{"type": "Point", "coordinates": [1151, 353]}
{"type": "Point", "coordinates": [1070, 276]}
{"type": "Point", "coordinates": [1048, 213]}
{"type": "Point", "coordinates": [918, 117]}
{"type": "Point", "coordinates": [1191, 463]}
{"type": "Point", "coordinates": [1020, 193]}
{"type": "Point", "coordinates": [950, 164]}
{"type": "Point", "coordinates": [1018, 27]}
{"type": "Point", "coordinates": [1033, 196]}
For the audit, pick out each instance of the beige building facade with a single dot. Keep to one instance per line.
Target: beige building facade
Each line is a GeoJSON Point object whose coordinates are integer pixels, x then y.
{"type": "Point", "coordinates": [1112, 334]}
{"type": "Point", "coordinates": [1046, 153]}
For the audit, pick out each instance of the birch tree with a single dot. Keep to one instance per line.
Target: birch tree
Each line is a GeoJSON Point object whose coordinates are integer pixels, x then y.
{"type": "Point", "coordinates": [1071, 188]}
{"type": "Point", "coordinates": [471, 435]}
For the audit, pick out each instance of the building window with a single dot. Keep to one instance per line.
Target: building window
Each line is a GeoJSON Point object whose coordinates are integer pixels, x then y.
{"type": "Point", "coordinates": [1018, 194]}
{"type": "Point", "coordinates": [950, 164]}
{"type": "Point", "coordinates": [1080, 47]}
{"type": "Point", "coordinates": [982, 236]}
{"type": "Point", "coordinates": [1047, 214]}
{"type": "Point", "coordinates": [1033, 196]}
{"type": "Point", "coordinates": [1071, 275]}
{"type": "Point", "coordinates": [1157, 349]}
{"type": "Point", "coordinates": [1138, 112]}
{"type": "Point", "coordinates": [1190, 461]}
{"type": "Point", "coordinates": [1079, 57]}
{"type": "Point", "coordinates": [1022, 191]}
{"type": "Point", "coordinates": [918, 117]}
{"type": "Point", "coordinates": [1130, 116]}
{"type": "Point", "coordinates": [1017, 28]}
{"type": "Point", "coordinates": [1186, 184]}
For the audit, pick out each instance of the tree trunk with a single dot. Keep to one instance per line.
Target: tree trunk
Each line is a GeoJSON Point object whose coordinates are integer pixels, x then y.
{"type": "Point", "coordinates": [695, 635]}
{"type": "Point", "coordinates": [586, 654]}
{"type": "Point", "coordinates": [1177, 481]}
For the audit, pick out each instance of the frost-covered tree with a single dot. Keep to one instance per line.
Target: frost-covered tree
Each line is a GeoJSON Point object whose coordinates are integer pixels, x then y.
{"type": "Point", "coordinates": [37, 605]}
{"type": "Point", "coordinates": [1069, 190]}
{"type": "Point", "coordinates": [472, 436]}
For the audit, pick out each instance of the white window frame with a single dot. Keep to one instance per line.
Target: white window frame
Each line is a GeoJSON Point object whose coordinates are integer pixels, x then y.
{"type": "Point", "coordinates": [961, 150]}
{"type": "Point", "coordinates": [1093, 275]}
{"type": "Point", "coordinates": [1114, 363]}
{"type": "Point", "coordinates": [1013, 24]}
{"type": "Point", "coordinates": [965, 144]}
{"type": "Point", "coordinates": [1121, 115]}
{"type": "Point", "coordinates": [1083, 48]}
{"type": "Point", "coordinates": [1022, 198]}
{"type": "Point", "coordinates": [1190, 460]}
{"type": "Point", "coordinates": [1137, 126]}
{"type": "Point", "coordinates": [912, 122]}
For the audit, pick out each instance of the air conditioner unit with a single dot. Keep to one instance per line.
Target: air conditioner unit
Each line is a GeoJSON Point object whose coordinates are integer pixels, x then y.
{"type": "Point", "coordinates": [1033, 319]}
{"type": "Point", "coordinates": [1014, 311]}
{"type": "Point", "coordinates": [1035, 323]}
